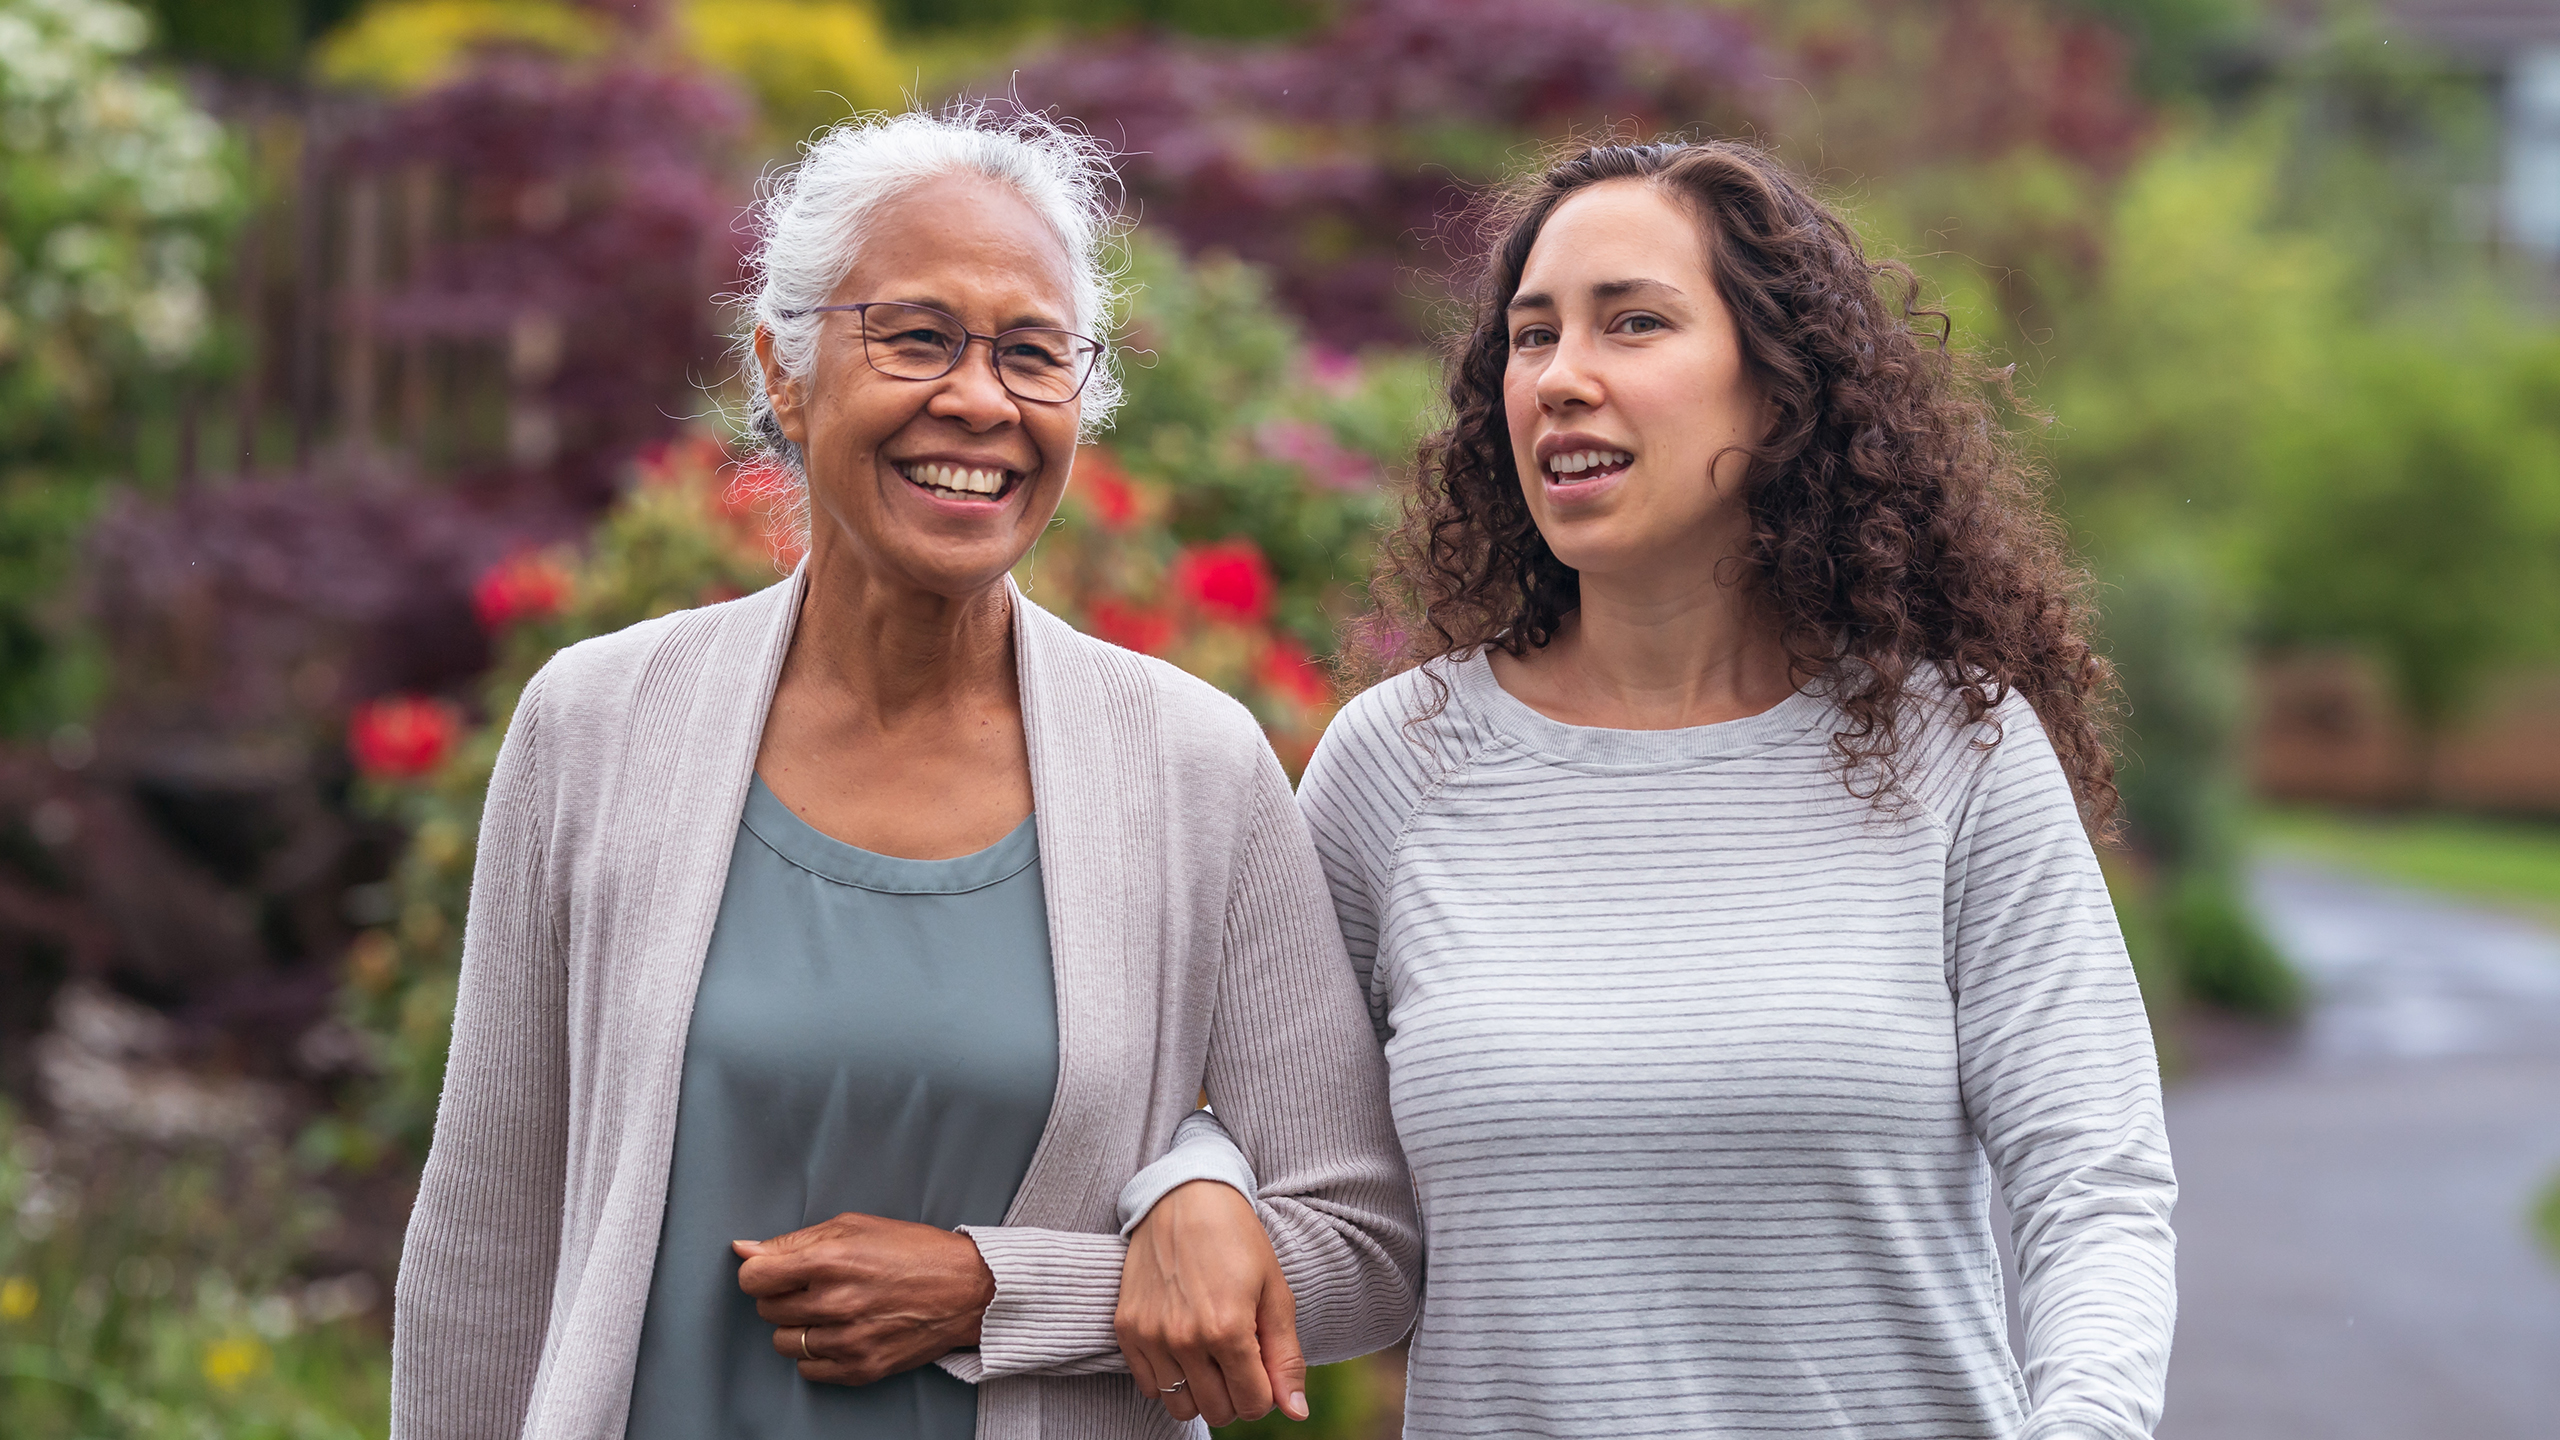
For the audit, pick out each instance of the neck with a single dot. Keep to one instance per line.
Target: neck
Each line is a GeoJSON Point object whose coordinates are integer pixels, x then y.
{"type": "Point", "coordinates": [1656, 652]}
{"type": "Point", "coordinates": [889, 654]}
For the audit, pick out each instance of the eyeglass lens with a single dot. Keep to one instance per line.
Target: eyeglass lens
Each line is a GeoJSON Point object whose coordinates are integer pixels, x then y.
{"type": "Point", "coordinates": [912, 342]}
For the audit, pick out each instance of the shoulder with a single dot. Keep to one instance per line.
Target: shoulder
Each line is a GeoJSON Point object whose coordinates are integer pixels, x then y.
{"type": "Point", "coordinates": [1198, 729]}
{"type": "Point", "coordinates": [600, 687]}
{"type": "Point", "coordinates": [1954, 763]}
{"type": "Point", "coordinates": [1392, 744]}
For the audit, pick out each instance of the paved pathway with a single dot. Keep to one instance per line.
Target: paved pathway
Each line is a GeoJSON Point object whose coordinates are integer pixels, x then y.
{"type": "Point", "coordinates": [2354, 1258]}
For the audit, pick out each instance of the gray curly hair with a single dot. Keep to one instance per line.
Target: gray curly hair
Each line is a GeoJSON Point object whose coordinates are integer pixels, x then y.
{"type": "Point", "coordinates": [809, 227]}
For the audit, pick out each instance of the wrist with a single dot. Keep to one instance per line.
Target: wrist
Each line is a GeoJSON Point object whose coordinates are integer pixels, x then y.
{"type": "Point", "coordinates": [979, 1292]}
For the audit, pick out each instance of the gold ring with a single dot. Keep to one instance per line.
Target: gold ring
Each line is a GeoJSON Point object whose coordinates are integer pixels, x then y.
{"type": "Point", "coordinates": [804, 1344]}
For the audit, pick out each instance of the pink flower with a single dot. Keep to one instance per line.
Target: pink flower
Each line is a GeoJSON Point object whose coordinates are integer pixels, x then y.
{"type": "Point", "coordinates": [1312, 449]}
{"type": "Point", "coordinates": [401, 737]}
{"type": "Point", "coordinates": [1227, 581]}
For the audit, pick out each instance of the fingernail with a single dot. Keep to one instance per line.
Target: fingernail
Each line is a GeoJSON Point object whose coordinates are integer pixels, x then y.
{"type": "Point", "coordinates": [1298, 1404]}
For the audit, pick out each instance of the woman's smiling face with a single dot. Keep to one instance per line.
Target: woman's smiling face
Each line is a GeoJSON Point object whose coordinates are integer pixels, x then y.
{"type": "Point", "coordinates": [1625, 390]}
{"type": "Point", "coordinates": [939, 485]}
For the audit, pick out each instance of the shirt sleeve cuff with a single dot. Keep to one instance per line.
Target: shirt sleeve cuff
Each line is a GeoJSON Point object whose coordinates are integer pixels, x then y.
{"type": "Point", "coordinates": [1201, 1150]}
{"type": "Point", "coordinates": [1056, 1291]}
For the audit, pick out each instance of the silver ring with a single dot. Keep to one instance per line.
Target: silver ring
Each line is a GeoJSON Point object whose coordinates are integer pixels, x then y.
{"type": "Point", "coordinates": [1176, 1385]}
{"type": "Point", "coordinates": [804, 1344]}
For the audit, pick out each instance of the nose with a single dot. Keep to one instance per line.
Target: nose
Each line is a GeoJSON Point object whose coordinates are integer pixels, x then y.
{"type": "Point", "coordinates": [1570, 376]}
{"type": "Point", "coordinates": [971, 394]}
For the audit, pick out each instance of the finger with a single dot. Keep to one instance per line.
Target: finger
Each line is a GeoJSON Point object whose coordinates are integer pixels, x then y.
{"type": "Point", "coordinates": [1162, 1371]}
{"type": "Point", "coordinates": [1283, 1361]}
{"type": "Point", "coordinates": [772, 1272]}
{"type": "Point", "coordinates": [796, 1307]}
{"type": "Point", "coordinates": [1240, 1373]}
{"type": "Point", "coordinates": [1208, 1387]}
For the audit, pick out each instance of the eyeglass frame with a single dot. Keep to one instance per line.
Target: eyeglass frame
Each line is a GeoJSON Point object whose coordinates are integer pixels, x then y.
{"type": "Point", "coordinates": [967, 336]}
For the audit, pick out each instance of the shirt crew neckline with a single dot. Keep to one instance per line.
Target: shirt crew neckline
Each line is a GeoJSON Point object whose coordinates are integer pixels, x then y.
{"type": "Point", "coordinates": [828, 858]}
{"type": "Point", "coordinates": [1602, 748]}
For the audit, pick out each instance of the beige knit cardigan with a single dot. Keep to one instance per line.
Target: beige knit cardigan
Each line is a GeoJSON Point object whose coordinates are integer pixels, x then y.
{"type": "Point", "coordinates": [1194, 945]}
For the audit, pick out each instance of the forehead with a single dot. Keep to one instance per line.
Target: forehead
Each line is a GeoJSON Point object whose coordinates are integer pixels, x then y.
{"type": "Point", "coordinates": [1616, 230]}
{"type": "Point", "coordinates": [969, 245]}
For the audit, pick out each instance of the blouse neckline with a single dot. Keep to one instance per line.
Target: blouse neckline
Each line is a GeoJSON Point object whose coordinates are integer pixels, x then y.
{"type": "Point", "coordinates": [828, 858]}
{"type": "Point", "coordinates": [1601, 748]}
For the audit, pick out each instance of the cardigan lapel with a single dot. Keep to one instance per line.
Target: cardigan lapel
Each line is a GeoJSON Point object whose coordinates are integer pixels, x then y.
{"type": "Point", "coordinates": [700, 702]}
{"type": "Point", "coordinates": [1097, 790]}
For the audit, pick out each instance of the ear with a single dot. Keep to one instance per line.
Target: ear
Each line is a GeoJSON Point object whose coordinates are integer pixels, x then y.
{"type": "Point", "coordinates": [781, 389]}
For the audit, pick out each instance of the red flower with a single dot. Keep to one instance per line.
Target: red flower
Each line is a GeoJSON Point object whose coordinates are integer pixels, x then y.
{"type": "Point", "coordinates": [1106, 489]}
{"type": "Point", "coordinates": [1228, 581]}
{"type": "Point", "coordinates": [1144, 628]}
{"type": "Point", "coordinates": [525, 586]}
{"type": "Point", "coordinates": [400, 737]}
{"type": "Point", "coordinates": [1288, 670]}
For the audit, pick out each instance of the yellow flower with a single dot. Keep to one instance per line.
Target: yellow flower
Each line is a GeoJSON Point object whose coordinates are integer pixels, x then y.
{"type": "Point", "coordinates": [17, 1298]}
{"type": "Point", "coordinates": [229, 1362]}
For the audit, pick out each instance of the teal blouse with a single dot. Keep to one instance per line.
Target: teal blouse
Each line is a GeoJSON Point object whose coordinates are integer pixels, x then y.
{"type": "Point", "coordinates": [873, 1035]}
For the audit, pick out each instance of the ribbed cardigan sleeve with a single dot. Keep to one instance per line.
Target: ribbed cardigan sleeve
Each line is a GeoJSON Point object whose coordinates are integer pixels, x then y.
{"type": "Point", "coordinates": [473, 1300]}
{"type": "Point", "coordinates": [2060, 1079]}
{"type": "Point", "coordinates": [1301, 1085]}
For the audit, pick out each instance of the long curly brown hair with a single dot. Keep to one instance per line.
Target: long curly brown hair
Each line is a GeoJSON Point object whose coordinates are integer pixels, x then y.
{"type": "Point", "coordinates": [1896, 524]}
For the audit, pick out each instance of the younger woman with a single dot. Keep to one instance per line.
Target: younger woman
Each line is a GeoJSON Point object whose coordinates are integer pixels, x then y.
{"type": "Point", "coordinates": [1717, 873]}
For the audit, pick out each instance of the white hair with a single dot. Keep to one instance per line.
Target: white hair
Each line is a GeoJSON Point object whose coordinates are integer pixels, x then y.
{"type": "Point", "coordinates": [809, 227]}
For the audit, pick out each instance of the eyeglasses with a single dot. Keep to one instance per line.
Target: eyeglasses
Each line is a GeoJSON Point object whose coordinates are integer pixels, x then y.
{"type": "Point", "coordinates": [918, 342]}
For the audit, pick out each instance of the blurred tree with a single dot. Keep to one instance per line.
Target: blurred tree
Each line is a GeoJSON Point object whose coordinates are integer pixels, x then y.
{"type": "Point", "coordinates": [256, 37]}
{"type": "Point", "coordinates": [808, 63]}
{"type": "Point", "coordinates": [2185, 46]}
{"type": "Point", "coordinates": [119, 194]}
{"type": "Point", "coordinates": [1228, 19]}
{"type": "Point", "coordinates": [2420, 516]}
{"type": "Point", "coordinates": [1332, 159]}
{"type": "Point", "coordinates": [405, 46]}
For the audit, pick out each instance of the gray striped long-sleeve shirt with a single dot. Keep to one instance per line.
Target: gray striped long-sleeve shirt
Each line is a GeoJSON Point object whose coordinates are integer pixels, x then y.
{"type": "Point", "coordinates": [1703, 1065]}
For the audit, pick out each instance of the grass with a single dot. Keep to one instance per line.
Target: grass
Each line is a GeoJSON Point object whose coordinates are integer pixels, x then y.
{"type": "Point", "coordinates": [2511, 863]}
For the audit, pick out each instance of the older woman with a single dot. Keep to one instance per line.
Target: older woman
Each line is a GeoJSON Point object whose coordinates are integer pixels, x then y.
{"type": "Point", "coordinates": [1716, 866]}
{"type": "Point", "coordinates": [836, 954]}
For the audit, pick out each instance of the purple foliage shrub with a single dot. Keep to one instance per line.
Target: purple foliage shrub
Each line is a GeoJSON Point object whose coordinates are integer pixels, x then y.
{"type": "Point", "coordinates": [1335, 159]}
{"type": "Point", "coordinates": [594, 213]}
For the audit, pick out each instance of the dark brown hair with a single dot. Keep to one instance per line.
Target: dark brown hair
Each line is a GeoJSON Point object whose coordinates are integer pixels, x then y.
{"type": "Point", "coordinates": [1896, 525]}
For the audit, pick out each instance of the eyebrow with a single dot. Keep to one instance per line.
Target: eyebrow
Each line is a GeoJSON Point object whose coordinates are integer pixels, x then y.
{"type": "Point", "coordinates": [1605, 290]}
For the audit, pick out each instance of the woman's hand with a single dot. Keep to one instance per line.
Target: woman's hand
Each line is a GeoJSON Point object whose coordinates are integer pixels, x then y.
{"type": "Point", "coordinates": [1203, 1304]}
{"type": "Point", "coordinates": [858, 1298]}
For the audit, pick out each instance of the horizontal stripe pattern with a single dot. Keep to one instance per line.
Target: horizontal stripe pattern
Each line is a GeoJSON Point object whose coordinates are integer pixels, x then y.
{"type": "Point", "coordinates": [1704, 1064]}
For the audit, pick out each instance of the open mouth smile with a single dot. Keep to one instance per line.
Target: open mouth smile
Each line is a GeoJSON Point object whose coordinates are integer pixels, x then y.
{"type": "Point", "coordinates": [945, 481]}
{"type": "Point", "coordinates": [1579, 467]}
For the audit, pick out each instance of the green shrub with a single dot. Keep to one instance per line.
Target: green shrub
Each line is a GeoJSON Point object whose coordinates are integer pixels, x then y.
{"type": "Point", "coordinates": [2223, 957]}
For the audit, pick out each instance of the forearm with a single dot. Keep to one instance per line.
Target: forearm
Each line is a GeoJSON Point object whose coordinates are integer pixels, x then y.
{"type": "Point", "coordinates": [1056, 1291]}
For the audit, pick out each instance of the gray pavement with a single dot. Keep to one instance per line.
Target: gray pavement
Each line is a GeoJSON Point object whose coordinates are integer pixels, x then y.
{"type": "Point", "coordinates": [2354, 1258]}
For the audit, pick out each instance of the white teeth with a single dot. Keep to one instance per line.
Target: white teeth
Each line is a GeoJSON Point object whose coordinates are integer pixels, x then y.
{"type": "Point", "coordinates": [1576, 461]}
{"type": "Point", "coordinates": [957, 478]}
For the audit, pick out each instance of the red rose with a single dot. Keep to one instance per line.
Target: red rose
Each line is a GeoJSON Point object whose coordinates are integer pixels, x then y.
{"type": "Point", "coordinates": [1146, 629]}
{"type": "Point", "coordinates": [522, 587]}
{"type": "Point", "coordinates": [1288, 670]}
{"type": "Point", "coordinates": [1228, 581]}
{"type": "Point", "coordinates": [400, 737]}
{"type": "Point", "coordinates": [1105, 489]}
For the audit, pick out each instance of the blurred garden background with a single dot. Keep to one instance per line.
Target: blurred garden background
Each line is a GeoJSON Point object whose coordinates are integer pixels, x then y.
{"type": "Point", "coordinates": [355, 356]}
